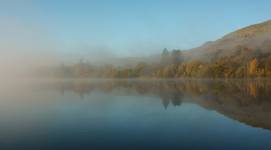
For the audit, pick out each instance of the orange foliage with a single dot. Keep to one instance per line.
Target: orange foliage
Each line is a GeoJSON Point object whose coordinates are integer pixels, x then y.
{"type": "Point", "coordinates": [252, 67]}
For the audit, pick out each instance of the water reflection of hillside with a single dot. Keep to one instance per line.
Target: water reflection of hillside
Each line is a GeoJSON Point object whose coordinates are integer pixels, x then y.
{"type": "Point", "coordinates": [246, 101]}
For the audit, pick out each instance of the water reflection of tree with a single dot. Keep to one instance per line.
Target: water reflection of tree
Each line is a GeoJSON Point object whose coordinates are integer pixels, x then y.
{"type": "Point", "coordinates": [243, 100]}
{"type": "Point", "coordinates": [169, 93]}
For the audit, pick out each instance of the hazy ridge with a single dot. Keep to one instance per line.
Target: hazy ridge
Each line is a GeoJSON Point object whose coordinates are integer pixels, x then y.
{"type": "Point", "coordinates": [256, 37]}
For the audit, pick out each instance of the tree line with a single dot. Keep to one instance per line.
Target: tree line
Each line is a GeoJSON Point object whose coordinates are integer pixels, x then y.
{"type": "Point", "coordinates": [245, 63]}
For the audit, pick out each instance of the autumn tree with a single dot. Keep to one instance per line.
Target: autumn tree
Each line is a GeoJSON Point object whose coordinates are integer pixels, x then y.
{"type": "Point", "coordinates": [252, 67]}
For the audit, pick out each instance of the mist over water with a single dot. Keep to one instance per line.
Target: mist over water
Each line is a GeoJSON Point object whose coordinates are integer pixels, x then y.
{"type": "Point", "coordinates": [135, 75]}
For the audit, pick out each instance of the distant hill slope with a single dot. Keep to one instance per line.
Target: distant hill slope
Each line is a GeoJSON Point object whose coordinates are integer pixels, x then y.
{"type": "Point", "coordinates": [256, 38]}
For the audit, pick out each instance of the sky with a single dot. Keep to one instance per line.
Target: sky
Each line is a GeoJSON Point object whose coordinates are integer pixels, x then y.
{"type": "Point", "coordinates": [105, 28]}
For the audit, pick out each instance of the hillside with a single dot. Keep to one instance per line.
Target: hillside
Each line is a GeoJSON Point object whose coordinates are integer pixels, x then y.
{"type": "Point", "coordinates": [256, 38]}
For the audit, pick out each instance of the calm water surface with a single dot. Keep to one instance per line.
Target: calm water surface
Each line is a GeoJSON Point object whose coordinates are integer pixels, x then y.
{"type": "Point", "coordinates": [136, 114]}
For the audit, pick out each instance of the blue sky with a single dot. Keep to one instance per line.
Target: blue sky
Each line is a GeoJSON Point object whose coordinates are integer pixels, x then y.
{"type": "Point", "coordinates": [133, 27]}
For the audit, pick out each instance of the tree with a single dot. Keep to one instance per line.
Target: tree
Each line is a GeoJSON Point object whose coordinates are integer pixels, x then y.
{"type": "Point", "coordinates": [252, 67]}
{"type": "Point", "coordinates": [176, 57]}
{"type": "Point", "coordinates": [165, 57]}
{"type": "Point", "coordinates": [169, 71]}
{"type": "Point", "coordinates": [140, 69]}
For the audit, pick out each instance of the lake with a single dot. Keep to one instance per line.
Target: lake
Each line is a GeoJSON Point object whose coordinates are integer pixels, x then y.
{"type": "Point", "coordinates": [136, 114]}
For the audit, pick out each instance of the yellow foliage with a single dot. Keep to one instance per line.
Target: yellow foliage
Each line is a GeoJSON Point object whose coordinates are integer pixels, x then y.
{"type": "Point", "coordinates": [253, 90]}
{"type": "Point", "coordinates": [252, 67]}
